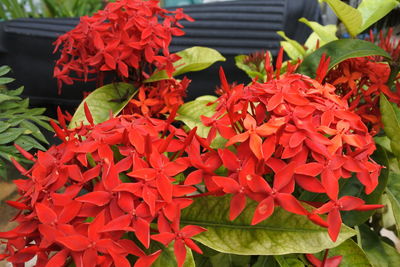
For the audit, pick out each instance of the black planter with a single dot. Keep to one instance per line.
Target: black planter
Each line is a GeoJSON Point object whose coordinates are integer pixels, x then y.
{"type": "Point", "coordinates": [235, 27]}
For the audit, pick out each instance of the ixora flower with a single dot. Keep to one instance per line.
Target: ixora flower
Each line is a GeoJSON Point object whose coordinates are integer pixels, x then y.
{"type": "Point", "coordinates": [291, 132]}
{"type": "Point", "coordinates": [129, 38]}
{"type": "Point", "coordinates": [85, 196]}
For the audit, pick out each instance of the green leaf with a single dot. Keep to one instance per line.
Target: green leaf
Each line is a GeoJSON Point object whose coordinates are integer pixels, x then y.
{"type": "Point", "coordinates": [265, 261]}
{"type": "Point", "coordinates": [192, 59]}
{"type": "Point", "coordinates": [4, 70]}
{"type": "Point", "coordinates": [252, 73]}
{"type": "Point", "coordinates": [6, 80]}
{"type": "Point", "coordinates": [339, 51]}
{"type": "Point", "coordinates": [190, 112]}
{"type": "Point", "coordinates": [167, 257]}
{"type": "Point", "coordinates": [229, 260]}
{"type": "Point", "coordinates": [391, 123]}
{"type": "Point", "coordinates": [112, 97]}
{"type": "Point", "coordinates": [4, 98]}
{"type": "Point", "coordinates": [292, 48]}
{"type": "Point", "coordinates": [373, 10]}
{"type": "Point", "coordinates": [27, 143]}
{"type": "Point", "coordinates": [378, 252]}
{"type": "Point", "coordinates": [288, 261]}
{"type": "Point", "coordinates": [353, 255]}
{"type": "Point", "coordinates": [10, 135]}
{"type": "Point", "coordinates": [35, 131]}
{"type": "Point", "coordinates": [4, 126]}
{"type": "Point", "coordinates": [282, 233]}
{"type": "Point", "coordinates": [353, 187]}
{"type": "Point", "coordinates": [350, 16]}
{"type": "Point", "coordinates": [326, 33]}
{"type": "Point", "coordinates": [395, 208]}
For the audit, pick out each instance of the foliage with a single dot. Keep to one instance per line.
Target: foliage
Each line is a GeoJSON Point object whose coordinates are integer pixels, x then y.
{"type": "Point", "coordinates": [13, 9]}
{"type": "Point", "coordinates": [18, 124]}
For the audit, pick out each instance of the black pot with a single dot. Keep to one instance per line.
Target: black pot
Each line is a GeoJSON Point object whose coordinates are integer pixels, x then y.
{"type": "Point", "coordinates": [235, 27]}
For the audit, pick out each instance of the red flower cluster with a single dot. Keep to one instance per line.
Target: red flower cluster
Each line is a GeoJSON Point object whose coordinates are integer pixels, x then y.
{"type": "Point", "coordinates": [360, 81]}
{"type": "Point", "coordinates": [83, 197]}
{"type": "Point", "coordinates": [158, 98]}
{"type": "Point", "coordinates": [291, 131]}
{"type": "Point", "coordinates": [129, 37]}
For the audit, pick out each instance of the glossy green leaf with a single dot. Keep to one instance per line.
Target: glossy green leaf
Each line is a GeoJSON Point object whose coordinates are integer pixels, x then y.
{"type": "Point", "coordinates": [282, 233]}
{"type": "Point", "coordinates": [339, 51]}
{"type": "Point", "coordinates": [229, 260]}
{"type": "Point", "coordinates": [27, 143]}
{"type": "Point", "coordinates": [4, 98]}
{"type": "Point", "coordinates": [192, 59]}
{"type": "Point", "coordinates": [10, 135]}
{"type": "Point", "coordinates": [379, 253]}
{"type": "Point", "coordinates": [288, 261]}
{"type": "Point", "coordinates": [190, 112]}
{"type": "Point", "coordinates": [167, 257]}
{"type": "Point", "coordinates": [249, 68]}
{"type": "Point", "coordinates": [350, 16]}
{"type": "Point", "coordinates": [373, 10]}
{"type": "Point", "coordinates": [292, 48]}
{"type": "Point", "coordinates": [4, 70]}
{"type": "Point", "coordinates": [352, 187]}
{"type": "Point", "coordinates": [112, 97]}
{"type": "Point", "coordinates": [35, 131]}
{"type": "Point", "coordinates": [395, 208]}
{"type": "Point", "coordinates": [391, 123]}
{"type": "Point", "coordinates": [6, 80]}
{"type": "Point", "coordinates": [265, 261]}
{"type": "Point", "coordinates": [353, 255]}
{"type": "Point", "coordinates": [326, 33]}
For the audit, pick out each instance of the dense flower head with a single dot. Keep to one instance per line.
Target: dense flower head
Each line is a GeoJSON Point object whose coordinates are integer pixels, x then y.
{"type": "Point", "coordinates": [360, 81]}
{"type": "Point", "coordinates": [156, 99]}
{"type": "Point", "coordinates": [104, 181]}
{"type": "Point", "coordinates": [290, 133]}
{"type": "Point", "coordinates": [129, 38]}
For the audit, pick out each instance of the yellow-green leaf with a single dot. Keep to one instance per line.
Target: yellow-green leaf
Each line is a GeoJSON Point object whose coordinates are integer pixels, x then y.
{"type": "Point", "coordinates": [111, 97]}
{"type": "Point", "coordinates": [326, 33]}
{"type": "Point", "coordinates": [373, 10]}
{"type": "Point", "coordinates": [350, 16]}
{"type": "Point", "coordinates": [282, 233]}
{"type": "Point", "coordinates": [192, 59]}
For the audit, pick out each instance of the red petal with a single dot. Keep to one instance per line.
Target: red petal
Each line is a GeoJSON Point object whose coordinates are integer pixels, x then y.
{"type": "Point", "coordinates": [98, 198]}
{"type": "Point", "coordinates": [350, 202]}
{"type": "Point", "coordinates": [193, 178]}
{"type": "Point", "coordinates": [283, 176]}
{"type": "Point", "coordinates": [264, 209]}
{"type": "Point", "coordinates": [45, 214]}
{"type": "Point", "coordinates": [238, 203]}
{"type": "Point", "coordinates": [74, 242]}
{"type": "Point", "coordinates": [256, 145]}
{"type": "Point", "coordinates": [310, 169]}
{"type": "Point", "coordinates": [142, 231]}
{"type": "Point", "coordinates": [164, 238]}
{"type": "Point", "coordinates": [334, 224]}
{"type": "Point", "coordinates": [180, 252]}
{"type": "Point", "coordinates": [164, 187]}
{"type": "Point", "coordinates": [229, 185]}
{"type": "Point", "coordinates": [146, 261]}
{"type": "Point", "coordinates": [240, 138]}
{"type": "Point", "coordinates": [58, 260]}
{"type": "Point", "coordinates": [191, 230]}
{"type": "Point", "coordinates": [291, 204]}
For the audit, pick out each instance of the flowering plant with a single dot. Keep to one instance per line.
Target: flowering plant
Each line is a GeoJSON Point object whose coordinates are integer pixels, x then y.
{"type": "Point", "coordinates": [275, 172]}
